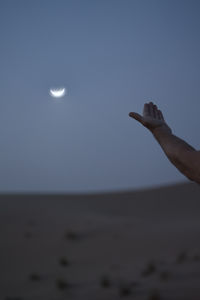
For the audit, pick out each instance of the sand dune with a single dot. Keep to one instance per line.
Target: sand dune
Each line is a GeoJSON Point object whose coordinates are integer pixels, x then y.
{"type": "Point", "coordinates": [141, 244]}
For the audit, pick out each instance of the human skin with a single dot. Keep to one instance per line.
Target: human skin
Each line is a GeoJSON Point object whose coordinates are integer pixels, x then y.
{"type": "Point", "coordinates": [183, 156]}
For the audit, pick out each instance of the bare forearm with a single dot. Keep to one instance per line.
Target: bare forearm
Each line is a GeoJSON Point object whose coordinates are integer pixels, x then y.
{"type": "Point", "coordinates": [174, 148]}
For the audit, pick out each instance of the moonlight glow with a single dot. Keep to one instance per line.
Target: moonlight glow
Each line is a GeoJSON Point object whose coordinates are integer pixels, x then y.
{"type": "Point", "coordinates": [57, 93]}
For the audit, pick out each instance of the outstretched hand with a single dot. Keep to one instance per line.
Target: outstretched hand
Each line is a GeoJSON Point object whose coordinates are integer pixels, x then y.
{"type": "Point", "coordinates": [152, 118]}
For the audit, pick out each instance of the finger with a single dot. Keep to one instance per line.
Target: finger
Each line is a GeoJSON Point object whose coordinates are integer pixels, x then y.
{"type": "Point", "coordinates": [136, 116]}
{"type": "Point", "coordinates": [156, 112]}
{"type": "Point", "coordinates": [146, 111]}
{"type": "Point", "coordinates": [161, 115]}
{"type": "Point", "coordinates": [151, 109]}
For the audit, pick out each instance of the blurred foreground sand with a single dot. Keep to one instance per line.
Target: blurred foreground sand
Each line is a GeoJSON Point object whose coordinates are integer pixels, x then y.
{"type": "Point", "coordinates": [142, 244]}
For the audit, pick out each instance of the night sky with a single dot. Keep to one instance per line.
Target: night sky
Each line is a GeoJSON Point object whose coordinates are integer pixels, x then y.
{"type": "Point", "coordinates": [112, 56]}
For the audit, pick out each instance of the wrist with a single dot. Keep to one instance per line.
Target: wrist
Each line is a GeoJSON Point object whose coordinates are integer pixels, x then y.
{"type": "Point", "coordinates": [162, 130]}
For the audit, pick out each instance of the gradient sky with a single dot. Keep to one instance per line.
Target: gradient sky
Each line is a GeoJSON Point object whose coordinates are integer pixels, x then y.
{"type": "Point", "coordinates": [112, 56]}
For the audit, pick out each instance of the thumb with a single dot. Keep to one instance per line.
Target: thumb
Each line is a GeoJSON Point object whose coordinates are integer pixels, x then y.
{"type": "Point", "coordinates": [136, 116]}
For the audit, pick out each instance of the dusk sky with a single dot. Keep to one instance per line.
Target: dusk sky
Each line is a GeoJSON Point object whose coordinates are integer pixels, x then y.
{"type": "Point", "coordinates": [112, 56]}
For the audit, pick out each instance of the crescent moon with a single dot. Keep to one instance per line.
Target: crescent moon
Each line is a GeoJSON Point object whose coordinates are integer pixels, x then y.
{"type": "Point", "coordinates": [57, 93]}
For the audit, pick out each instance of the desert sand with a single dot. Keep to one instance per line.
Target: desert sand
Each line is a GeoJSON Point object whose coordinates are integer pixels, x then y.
{"type": "Point", "coordinates": [142, 244]}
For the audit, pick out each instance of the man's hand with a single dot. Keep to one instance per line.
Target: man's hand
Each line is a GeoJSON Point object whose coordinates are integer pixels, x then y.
{"type": "Point", "coordinates": [152, 118]}
{"type": "Point", "coordinates": [183, 156]}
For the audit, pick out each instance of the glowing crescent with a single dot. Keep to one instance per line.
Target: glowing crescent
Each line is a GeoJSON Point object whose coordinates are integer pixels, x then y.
{"type": "Point", "coordinates": [57, 93]}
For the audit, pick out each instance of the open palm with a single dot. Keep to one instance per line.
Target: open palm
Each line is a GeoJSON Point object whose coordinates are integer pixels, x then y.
{"type": "Point", "coordinates": [152, 118]}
